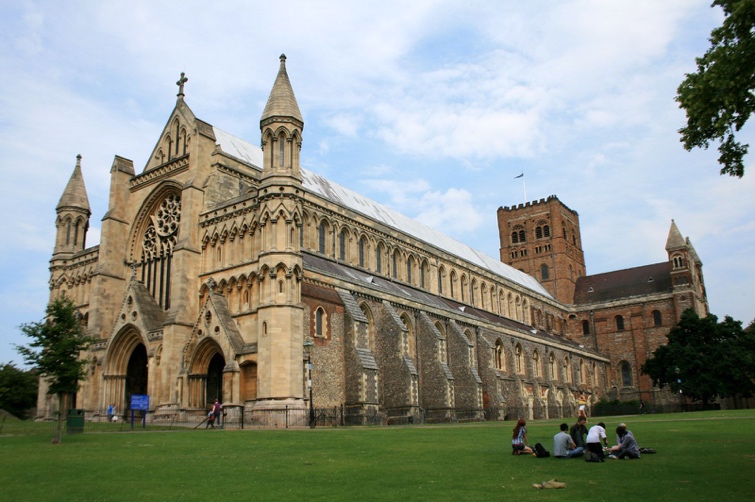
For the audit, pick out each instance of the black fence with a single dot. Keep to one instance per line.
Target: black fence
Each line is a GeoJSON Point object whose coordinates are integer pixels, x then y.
{"type": "Point", "coordinates": [236, 417]}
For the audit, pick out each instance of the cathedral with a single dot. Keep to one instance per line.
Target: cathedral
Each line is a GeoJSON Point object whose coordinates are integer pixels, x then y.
{"type": "Point", "coordinates": [222, 261]}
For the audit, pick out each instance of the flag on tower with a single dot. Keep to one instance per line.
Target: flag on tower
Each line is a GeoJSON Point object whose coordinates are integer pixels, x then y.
{"type": "Point", "coordinates": [520, 176]}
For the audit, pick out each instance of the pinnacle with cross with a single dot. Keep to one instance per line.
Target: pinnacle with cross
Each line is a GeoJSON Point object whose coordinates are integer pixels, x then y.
{"type": "Point", "coordinates": [180, 84]}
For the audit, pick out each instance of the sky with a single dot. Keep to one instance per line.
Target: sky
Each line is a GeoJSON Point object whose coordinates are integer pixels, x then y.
{"type": "Point", "coordinates": [432, 108]}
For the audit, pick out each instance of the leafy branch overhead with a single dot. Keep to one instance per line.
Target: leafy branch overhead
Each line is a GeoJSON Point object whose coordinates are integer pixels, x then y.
{"type": "Point", "coordinates": [720, 97]}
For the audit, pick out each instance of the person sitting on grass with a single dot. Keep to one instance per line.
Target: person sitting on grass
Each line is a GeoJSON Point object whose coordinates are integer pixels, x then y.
{"type": "Point", "coordinates": [595, 436]}
{"type": "Point", "coordinates": [519, 443]}
{"type": "Point", "coordinates": [628, 447]}
{"type": "Point", "coordinates": [564, 446]}
{"type": "Point", "coordinates": [578, 431]}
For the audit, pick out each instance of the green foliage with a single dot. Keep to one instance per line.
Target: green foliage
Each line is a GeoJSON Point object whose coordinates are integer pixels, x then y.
{"type": "Point", "coordinates": [719, 98]}
{"type": "Point", "coordinates": [18, 390]}
{"type": "Point", "coordinates": [57, 344]}
{"type": "Point", "coordinates": [606, 407]}
{"type": "Point", "coordinates": [711, 359]}
{"type": "Point", "coordinates": [55, 351]}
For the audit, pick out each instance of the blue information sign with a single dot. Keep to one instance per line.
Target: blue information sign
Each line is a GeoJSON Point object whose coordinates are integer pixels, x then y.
{"type": "Point", "coordinates": [140, 402]}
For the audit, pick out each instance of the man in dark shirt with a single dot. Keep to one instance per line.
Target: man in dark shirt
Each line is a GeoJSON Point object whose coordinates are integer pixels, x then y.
{"type": "Point", "coordinates": [578, 431]}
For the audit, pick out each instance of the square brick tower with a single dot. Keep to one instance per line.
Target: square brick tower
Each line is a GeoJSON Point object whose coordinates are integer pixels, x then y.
{"type": "Point", "coordinates": [542, 238]}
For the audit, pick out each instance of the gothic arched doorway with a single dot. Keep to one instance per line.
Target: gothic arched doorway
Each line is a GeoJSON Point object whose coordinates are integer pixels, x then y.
{"type": "Point", "coordinates": [206, 374]}
{"type": "Point", "coordinates": [214, 387]}
{"type": "Point", "coordinates": [136, 374]}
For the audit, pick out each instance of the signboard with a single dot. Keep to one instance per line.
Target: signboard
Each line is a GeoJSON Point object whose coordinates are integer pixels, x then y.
{"type": "Point", "coordinates": [140, 402]}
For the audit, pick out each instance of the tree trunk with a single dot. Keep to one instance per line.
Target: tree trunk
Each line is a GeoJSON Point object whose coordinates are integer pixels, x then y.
{"type": "Point", "coordinates": [59, 429]}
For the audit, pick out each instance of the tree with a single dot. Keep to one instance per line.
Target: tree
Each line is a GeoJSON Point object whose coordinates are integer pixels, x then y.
{"type": "Point", "coordinates": [718, 98]}
{"type": "Point", "coordinates": [705, 359]}
{"type": "Point", "coordinates": [55, 351]}
{"type": "Point", "coordinates": [18, 390]}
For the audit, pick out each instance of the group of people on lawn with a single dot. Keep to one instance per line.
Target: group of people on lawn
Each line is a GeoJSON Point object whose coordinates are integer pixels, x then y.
{"type": "Point", "coordinates": [580, 441]}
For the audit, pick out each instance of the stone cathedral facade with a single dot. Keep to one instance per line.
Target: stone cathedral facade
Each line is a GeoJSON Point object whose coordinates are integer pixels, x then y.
{"type": "Point", "coordinates": [221, 258]}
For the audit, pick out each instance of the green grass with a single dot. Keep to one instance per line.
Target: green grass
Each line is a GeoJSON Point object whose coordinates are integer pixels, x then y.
{"type": "Point", "coordinates": [701, 456]}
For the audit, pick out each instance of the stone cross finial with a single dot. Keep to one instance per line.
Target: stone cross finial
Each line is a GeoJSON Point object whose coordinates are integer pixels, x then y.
{"type": "Point", "coordinates": [180, 84]}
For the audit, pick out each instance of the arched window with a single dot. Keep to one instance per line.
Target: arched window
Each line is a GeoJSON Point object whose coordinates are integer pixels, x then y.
{"type": "Point", "coordinates": [422, 267]}
{"type": "Point", "coordinates": [514, 237]}
{"type": "Point", "coordinates": [546, 231]}
{"type": "Point", "coordinates": [544, 275]}
{"type": "Point", "coordinates": [362, 246]}
{"type": "Point", "coordinates": [552, 366]}
{"type": "Point", "coordinates": [499, 360]}
{"type": "Point", "coordinates": [536, 363]}
{"type": "Point", "coordinates": [581, 371]}
{"type": "Point", "coordinates": [342, 245]}
{"type": "Point", "coordinates": [321, 237]}
{"type": "Point", "coordinates": [567, 370]}
{"type": "Point", "coordinates": [657, 319]}
{"type": "Point", "coordinates": [319, 316]}
{"type": "Point", "coordinates": [440, 281]}
{"type": "Point", "coordinates": [409, 265]}
{"type": "Point", "coordinates": [379, 258]}
{"type": "Point", "coordinates": [619, 323]}
{"type": "Point", "coordinates": [626, 374]}
{"type": "Point", "coordinates": [586, 328]}
{"type": "Point", "coordinates": [158, 240]}
{"type": "Point", "coordinates": [519, 359]}
{"type": "Point", "coordinates": [394, 272]}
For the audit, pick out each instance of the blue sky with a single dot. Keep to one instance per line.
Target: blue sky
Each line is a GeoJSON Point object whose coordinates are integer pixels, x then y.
{"type": "Point", "coordinates": [429, 107]}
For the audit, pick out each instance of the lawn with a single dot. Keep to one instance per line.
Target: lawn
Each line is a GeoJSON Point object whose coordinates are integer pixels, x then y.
{"type": "Point", "coordinates": [701, 456]}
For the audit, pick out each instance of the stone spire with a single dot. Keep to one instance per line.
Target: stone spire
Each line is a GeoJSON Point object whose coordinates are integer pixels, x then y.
{"type": "Point", "coordinates": [675, 239]}
{"type": "Point", "coordinates": [282, 102]}
{"type": "Point", "coordinates": [75, 194]}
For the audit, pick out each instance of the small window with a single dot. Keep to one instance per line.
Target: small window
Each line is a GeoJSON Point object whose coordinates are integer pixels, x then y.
{"type": "Point", "coordinates": [499, 355]}
{"type": "Point", "coordinates": [319, 314]}
{"type": "Point", "coordinates": [361, 251]}
{"type": "Point", "coordinates": [619, 323]}
{"type": "Point", "coordinates": [321, 237]}
{"type": "Point", "coordinates": [546, 231]}
{"type": "Point", "coordinates": [544, 275]}
{"type": "Point", "coordinates": [514, 238]}
{"type": "Point", "coordinates": [657, 319]}
{"type": "Point", "coordinates": [342, 245]}
{"type": "Point", "coordinates": [626, 374]}
{"type": "Point", "coordinates": [586, 328]}
{"type": "Point", "coordinates": [519, 359]}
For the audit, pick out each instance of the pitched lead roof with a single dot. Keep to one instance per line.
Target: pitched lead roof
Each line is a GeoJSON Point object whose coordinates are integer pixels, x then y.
{"type": "Point", "coordinates": [338, 194]}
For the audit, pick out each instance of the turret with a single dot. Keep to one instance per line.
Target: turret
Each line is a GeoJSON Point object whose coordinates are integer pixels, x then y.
{"type": "Point", "coordinates": [281, 126]}
{"type": "Point", "coordinates": [73, 215]}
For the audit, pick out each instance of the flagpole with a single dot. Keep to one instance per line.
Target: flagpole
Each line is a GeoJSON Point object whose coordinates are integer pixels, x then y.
{"type": "Point", "coordinates": [524, 187]}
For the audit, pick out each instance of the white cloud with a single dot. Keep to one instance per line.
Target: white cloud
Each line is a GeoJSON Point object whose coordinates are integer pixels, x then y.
{"type": "Point", "coordinates": [436, 104]}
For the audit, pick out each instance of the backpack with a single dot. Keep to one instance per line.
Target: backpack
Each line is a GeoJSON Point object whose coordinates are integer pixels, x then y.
{"type": "Point", "coordinates": [540, 451]}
